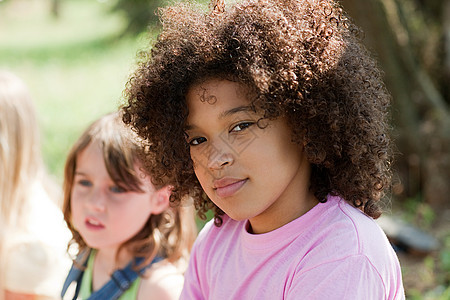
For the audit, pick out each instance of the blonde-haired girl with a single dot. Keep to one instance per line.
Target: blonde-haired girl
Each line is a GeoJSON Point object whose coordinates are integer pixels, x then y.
{"type": "Point", "coordinates": [33, 235]}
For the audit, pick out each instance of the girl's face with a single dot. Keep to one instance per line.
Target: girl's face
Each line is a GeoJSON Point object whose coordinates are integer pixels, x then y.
{"type": "Point", "coordinates": [249, 172]}
{"type": "Point", "coordinates": [103, 213]}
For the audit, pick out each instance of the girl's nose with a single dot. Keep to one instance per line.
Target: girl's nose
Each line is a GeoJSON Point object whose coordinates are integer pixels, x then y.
{"type": "Point", "coordinates": [97, 200]}
{"type": "Point", "coordinates": [219, 157]}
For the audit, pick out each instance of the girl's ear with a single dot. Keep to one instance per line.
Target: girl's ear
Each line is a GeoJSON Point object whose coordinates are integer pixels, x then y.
{"type": "Point", "coordinates": [161, 200]}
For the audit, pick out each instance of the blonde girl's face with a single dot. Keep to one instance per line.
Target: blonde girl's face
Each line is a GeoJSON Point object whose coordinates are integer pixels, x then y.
{"type": "Point", "coordinates": [105, 214]}
{"type": "Point", "coordinates": [249, 171]}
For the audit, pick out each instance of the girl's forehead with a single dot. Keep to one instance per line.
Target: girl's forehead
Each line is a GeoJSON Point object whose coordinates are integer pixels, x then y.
{"type": "Point", "coordinates": [217, 103]}
{"type": "Point", "coordinates": [214, 90]}
{"type": "Point", "coordinates": [93, 148]}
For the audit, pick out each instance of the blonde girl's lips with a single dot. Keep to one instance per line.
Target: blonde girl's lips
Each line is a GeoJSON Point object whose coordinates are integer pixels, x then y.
{"type": "Point", "coordinates": [230, 188]}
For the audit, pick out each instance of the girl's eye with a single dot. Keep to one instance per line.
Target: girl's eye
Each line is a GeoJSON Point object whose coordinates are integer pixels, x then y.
{"type": "Point", "coordinates": [84, 182]}
{"type": "Point", "coordinates": [197, 141]}
{"type": "Point", "coordinates": [241, 126]}
{"type": "Point", "coordinates": [117, 189]}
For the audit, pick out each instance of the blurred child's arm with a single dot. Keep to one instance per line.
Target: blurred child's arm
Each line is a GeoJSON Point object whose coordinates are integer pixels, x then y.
{"type": "Point", "coordinates": [20, 296]}
{"type": "Point", "coordinates": [164, 282]}
{"type": "Point", "coordinates": [34, 270]}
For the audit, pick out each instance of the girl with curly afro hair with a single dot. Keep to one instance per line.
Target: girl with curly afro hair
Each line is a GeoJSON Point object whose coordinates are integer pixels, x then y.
{"type": "Point", "coordinates": [273, 115]}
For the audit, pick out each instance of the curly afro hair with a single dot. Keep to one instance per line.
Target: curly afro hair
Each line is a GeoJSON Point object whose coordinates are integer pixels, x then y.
{"type": "Point", "coordinates": [302, 58]}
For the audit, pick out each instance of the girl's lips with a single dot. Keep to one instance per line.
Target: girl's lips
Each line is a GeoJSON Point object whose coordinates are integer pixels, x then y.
{"type": "Point", "coordinates": [93, 224]}
{"type": "Point", "coordinates": [228, 187]}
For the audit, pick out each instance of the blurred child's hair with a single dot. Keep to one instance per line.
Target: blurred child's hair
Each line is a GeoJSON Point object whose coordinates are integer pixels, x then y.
{"type": "Point", "coordinates": [20, 155]}
{"type": "Point", "coordinates": [21, 164]}
{"type": "Point", "coordinates": [169, 234]}
{"type": "Point", "coordinates": [300, 59]}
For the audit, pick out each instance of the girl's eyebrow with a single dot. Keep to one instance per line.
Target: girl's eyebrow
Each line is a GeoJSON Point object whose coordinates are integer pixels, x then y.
{"type": "Point", "coordinates": [234, 110]}
{"type": "Point", "coordinates": [243, 108]}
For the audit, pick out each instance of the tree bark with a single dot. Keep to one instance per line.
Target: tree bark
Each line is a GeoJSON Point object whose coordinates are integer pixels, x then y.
{"type": "Point", "coordinates": [446, 30]}
{"type": "Point", "coordinates": [55, 8]}
{"type": "Point", "coordinates": [419, 111]}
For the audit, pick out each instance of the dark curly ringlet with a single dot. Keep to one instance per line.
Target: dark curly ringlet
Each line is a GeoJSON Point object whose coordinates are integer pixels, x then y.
{"type": "Point", "coordinates": [303, 59]}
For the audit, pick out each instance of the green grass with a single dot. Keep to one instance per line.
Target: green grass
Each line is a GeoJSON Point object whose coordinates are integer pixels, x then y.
{"type": "Point", "coordinates": [75, 66]}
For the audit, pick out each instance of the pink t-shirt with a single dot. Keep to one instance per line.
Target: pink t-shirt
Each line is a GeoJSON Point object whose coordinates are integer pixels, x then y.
{"type": "Point", "coordinates": [333, 251]}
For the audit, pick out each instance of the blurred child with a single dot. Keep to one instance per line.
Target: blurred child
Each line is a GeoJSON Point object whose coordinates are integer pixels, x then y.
{"type": "Point", "coordinates": [273, 114]}
{"type": "Point", "coordinates": [120, 217]}
{"type": "Point", "coordinates": [33, 236]}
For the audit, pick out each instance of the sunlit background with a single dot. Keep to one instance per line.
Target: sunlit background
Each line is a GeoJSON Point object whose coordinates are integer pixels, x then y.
{"type": "Point", "coordinates": [76, 55]}
{"type": "Point", "coordinates": [74, 63]}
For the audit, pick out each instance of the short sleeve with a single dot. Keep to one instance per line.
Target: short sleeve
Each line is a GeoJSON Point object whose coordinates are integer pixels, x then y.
{"type": "Point", "coordinates": [350, 278]}
{"type": "Point", "coordinates": [192, 286]}
{"type": "Point", "coordinates": [194, 277]}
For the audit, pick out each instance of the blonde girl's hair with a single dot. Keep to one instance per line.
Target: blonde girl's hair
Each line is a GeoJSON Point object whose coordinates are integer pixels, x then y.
{"type": "Point", "coordinates": [20, 157]}
{"type": "Point", "coordinates": [169, 234]}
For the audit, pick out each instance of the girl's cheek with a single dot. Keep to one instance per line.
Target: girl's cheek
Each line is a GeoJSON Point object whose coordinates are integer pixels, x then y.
{"type": "Point", "coordinates": [76, 195]}
{"type": "Point", "coordinates": [117, 200]}
{"type": "Point", "coordinates": [193, 154]}
{"type": "Point", "coordinates": [200, 156]}
{"type": "Point", "coordinates": [77, 198]}
{"type": "Point", "coordinates": [74, 203]}
{"type": "Point", "coordinates": [75, 213]}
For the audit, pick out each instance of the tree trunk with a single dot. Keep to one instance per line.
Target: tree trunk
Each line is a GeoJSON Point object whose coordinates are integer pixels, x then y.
{"type": "Point", "coordinates": [446, 30]}
{"type": "Point", "coordinates": [420, 113]}
{"type": "Point", "coordinates": [55, 8]}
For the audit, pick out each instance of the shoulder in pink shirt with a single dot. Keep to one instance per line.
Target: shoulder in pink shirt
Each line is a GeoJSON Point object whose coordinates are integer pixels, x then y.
{"type": "Point", "coordinates": [334, 251]}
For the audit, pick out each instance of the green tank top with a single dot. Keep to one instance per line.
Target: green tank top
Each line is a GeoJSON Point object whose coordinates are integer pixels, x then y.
{"type": "Point", "coordinates": [86, 282]}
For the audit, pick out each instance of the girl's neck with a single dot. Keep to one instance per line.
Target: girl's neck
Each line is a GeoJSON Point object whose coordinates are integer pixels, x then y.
{"type": "Point", "coordinates": [105, 264]}
{"type": "Point", "coordinates": [105, 260]}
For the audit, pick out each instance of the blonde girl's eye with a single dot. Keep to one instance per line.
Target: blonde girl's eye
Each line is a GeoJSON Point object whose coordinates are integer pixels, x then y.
{"type": "Point", "coordinates": [197, 141]}
{"type": "Point", "coordinates": [241, 126]}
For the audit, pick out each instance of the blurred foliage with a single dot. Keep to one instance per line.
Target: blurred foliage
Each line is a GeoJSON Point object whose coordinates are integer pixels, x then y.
{"type": "Point", "coordinates": [426, 278]}
{"type": "Point", "coordinates": [142, 14]}
{"type": "Point", "coordinates": [75, 65]}
{"type": "Point", "coordinates": [138, 13]}
{"type": "Point", "coordinates": [445, 258]}
{"type": "Point", "coordinates": [440, 293]}
{"type": "Point", "coordinates": [419, 212]}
